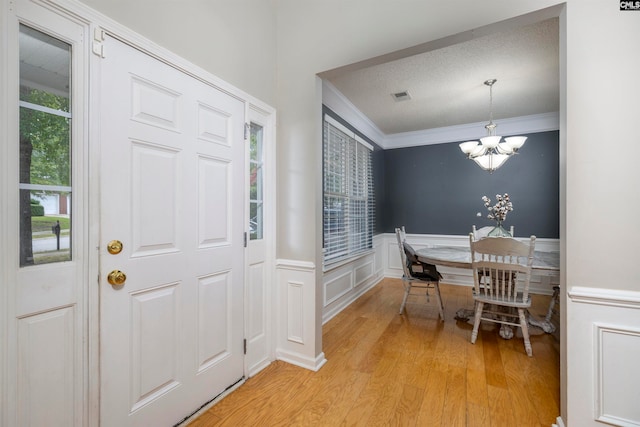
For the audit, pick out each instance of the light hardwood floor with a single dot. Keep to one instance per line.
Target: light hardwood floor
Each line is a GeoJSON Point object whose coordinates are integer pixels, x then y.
{"type": "Point", "coordinates": [389, 369]}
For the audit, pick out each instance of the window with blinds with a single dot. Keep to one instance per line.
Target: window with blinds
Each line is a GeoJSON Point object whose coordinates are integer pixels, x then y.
{"type": "Point", "coordinates": [348, 207]}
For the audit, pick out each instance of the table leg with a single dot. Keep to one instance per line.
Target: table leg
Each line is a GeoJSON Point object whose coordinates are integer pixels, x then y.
{"type": "Point", "coordinates": [546, 324]}
{"type": "Point", "coordinates": [467, 315]}
{"type": "Point", "coordinates": [506, 332]}
{"type": "Point", "coordinates": [464, 314]}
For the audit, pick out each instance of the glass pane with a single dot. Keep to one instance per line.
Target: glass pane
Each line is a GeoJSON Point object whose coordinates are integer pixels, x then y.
{"type": "Point", "coordinates": [348, 213]}
{"type": "Point", "coordinates": [45, 148]}
{"type": "Point", "coordinates": [256, 176]}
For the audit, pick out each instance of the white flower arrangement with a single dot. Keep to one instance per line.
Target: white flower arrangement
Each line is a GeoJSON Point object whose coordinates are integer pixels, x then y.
{"type": "Point", "coordinates": [498, 212]}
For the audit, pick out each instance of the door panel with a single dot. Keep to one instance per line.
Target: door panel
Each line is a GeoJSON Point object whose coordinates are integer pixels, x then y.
{"type": "Point", "coordinates": [45, 343]}
{"type": "Point", "coordinates": [172, 151]}
{"type": "Point", "coordinates": [155, 315]}
{"type": "Point", "coordinates": [155, 197]}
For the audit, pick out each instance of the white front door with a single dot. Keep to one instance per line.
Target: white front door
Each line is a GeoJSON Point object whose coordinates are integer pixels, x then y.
{"type": "Point", "coordinates": [172, 192]}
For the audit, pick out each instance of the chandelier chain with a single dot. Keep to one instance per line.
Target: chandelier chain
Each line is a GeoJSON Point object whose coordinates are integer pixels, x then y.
{"type": "Point", "coordinates": [491, 127]}
{"type": "Point", "coordinates": [491, 103]}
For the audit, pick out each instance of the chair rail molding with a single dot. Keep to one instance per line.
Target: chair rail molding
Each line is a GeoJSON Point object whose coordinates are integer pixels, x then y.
{"type": "Point", "coordinates": [610, 297]}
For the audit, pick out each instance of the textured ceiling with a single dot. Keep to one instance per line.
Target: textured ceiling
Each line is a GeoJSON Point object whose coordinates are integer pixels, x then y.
{"type": "Point", "coordinates": [446, 85]}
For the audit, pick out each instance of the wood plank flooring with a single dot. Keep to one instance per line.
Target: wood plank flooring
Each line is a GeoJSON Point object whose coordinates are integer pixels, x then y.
{"type": "Point", "coordinates": [411, 370]}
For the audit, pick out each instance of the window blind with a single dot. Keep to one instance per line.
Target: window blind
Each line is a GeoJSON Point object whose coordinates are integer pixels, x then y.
{"type": "Point", "coordinates": [348, 207]}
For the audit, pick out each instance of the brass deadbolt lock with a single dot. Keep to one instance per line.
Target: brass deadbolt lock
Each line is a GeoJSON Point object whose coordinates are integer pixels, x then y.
{"type": "Point", "coordinates": [114, 247]}
{"type": "Point", "coordinates": [116, 278]}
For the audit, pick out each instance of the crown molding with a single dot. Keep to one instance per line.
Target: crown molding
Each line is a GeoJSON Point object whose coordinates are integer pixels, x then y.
{"type": "Point", "coordinates": [337, 102]}
{"type": "Point", "coordinates": [473, 131]}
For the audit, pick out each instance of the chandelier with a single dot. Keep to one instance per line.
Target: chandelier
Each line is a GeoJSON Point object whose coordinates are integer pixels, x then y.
{"type": "Point", "coordinates": [490, 153]}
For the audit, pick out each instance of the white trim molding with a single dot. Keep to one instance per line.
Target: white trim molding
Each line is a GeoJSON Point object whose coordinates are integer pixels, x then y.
{"type": "Point", "coordinates": [609, 297]}
{"type": "Point", "coordinates": [472, 131]}
{"type": "Point", "coordinates": [615, 389]}
{"type": "Point", "coordinates": [603, 341]}
{"type": "Point", "coordinates": [340, 105]}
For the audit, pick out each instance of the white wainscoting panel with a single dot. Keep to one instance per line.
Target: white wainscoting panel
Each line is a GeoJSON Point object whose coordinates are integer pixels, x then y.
{"type": "Point", "coordinates": [296, 314]}
{"type": "Point", "coordinates": [603, 344]}
{"type": "Point", "coordinates": [344, 283]}
{"type": "Point", "coordinates": [295, 320]}
{"type": "Point", "coordinates": [364, 271]}
{"type": "Point", "coordinates": [337, 286]}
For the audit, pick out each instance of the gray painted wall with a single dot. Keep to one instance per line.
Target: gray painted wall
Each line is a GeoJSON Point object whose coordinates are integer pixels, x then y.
{"type": "Point", "coordinates": [434, 189]}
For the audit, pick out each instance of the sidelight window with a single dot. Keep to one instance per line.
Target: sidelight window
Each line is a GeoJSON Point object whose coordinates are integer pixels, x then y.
{"type": "Point", "coordinates": [256, 182]}
{"type": "Point", "coordinates": [45, 148]}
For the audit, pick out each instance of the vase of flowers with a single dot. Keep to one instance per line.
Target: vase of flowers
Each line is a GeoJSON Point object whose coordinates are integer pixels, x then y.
{"type": "Point", "coordinates": [498, 213]}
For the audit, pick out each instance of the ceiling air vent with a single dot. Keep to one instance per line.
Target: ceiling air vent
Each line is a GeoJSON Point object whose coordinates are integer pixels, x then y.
{"type": "Point", "coordinates": [401, 96]}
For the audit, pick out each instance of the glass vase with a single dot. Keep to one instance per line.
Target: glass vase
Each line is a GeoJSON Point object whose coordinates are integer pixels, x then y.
{"type": "Point", "coordinates": [499, 231]}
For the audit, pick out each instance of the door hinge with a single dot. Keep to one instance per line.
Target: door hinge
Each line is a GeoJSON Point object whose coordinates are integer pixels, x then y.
{"type": "Point", "coordinates": [245, 239]}
{"type": "Point", "coordinates": [246, 131]}
{"type": "Point", "coordinates": [245, 346]}
{"type": "Point", "coordinates": [98, 38]}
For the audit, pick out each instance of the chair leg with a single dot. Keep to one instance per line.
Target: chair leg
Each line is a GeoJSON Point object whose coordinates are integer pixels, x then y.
{"type": "Point", "coordinates": [439, 301]}
{"type": "Point", "coordinates": [476, 321]}
{"type": "Point", "coordinates": [525, 331]}
{"type": "Point", "coordinates": [407, 289]}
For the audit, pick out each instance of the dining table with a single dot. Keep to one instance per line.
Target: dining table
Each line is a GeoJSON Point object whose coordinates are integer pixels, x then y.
{"type": "Point", "coordinates": [545, 263]}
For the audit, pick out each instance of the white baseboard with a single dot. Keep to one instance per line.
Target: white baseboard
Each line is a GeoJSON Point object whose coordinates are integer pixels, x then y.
{"type": "Point", "coordinates": [302, 360]}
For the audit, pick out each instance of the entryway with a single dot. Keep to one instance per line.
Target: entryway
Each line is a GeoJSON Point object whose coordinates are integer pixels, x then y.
{"type": "Point", "coordinates": [137, 315]}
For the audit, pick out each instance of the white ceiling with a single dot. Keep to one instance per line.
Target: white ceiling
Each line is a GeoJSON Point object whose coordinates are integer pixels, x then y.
{"type": "Point", "coordinates": [446, 84]}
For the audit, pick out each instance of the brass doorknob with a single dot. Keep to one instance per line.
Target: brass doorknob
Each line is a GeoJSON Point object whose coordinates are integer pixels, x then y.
{"type": "Point", "coordinates": [116, 278]}
{"type": "Point", "coordinates": [114, 247]}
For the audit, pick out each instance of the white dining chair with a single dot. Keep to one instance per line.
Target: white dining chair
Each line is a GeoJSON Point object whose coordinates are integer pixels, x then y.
{"type": "Point", "coordinates": [498, 263]}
